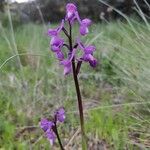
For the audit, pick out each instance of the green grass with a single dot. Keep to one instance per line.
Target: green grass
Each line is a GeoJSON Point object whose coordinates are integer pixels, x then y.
{"type": "Point", "coordinates": [32, 85]}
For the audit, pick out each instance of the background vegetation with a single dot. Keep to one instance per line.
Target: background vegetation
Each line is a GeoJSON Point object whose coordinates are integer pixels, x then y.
{"type": "Point", "coordinates": [116, 94]}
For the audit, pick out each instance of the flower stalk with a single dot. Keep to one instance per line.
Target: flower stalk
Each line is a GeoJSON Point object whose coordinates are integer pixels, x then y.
{"type": "Point", "coordinates": [57, 45]}
{"type": "Point", "coordinates": [80, 105]}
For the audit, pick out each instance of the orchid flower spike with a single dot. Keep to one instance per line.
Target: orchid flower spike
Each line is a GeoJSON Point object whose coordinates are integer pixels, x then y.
{"type": "Point", "coordinates": [57, 43]}
{"type": "Point", "coordinates": [50, 127]}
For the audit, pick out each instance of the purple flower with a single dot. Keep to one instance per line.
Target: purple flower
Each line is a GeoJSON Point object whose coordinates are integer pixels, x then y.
{"type": "Point", "coordinates": [56, 31]}
{"type": "Point", "coordinates": [70, 11]}
{"type": "Point", "coordinates": [85, 23]}
{"type": "Point", "coordinates": [89, 58]}
{"type": "Point", "coordinates": [52, 32]}
{"type": "Point", "coordinates": [59, 55]}
{"type": "Point", "coordinates": [86, 49]}
{"type": "Point", "coordinates": [51, 136]}
{"type": "Point", "coordinates": [50, 127]}
{"type": "Point", "coordinates": [67, 63]}
{"type": "Point", "coordinates": [88, 53]}
{"type": "Point", "coordinates": [89, 49]}
{"type": "Point", "coordinates": [56, 43]}
{"type": "Point", "coordinates": [45, 124]}
{"type": "Point", "coordinates": [67, 66]}
{"type": "Point", "coordinates": [60, 114]}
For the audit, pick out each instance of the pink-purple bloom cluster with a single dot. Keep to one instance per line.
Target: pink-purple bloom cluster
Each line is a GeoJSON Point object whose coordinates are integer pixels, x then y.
{"type": "Point", "coordinates": [50, 126]}
{"type": "Point", "coordinates": [57, 43]}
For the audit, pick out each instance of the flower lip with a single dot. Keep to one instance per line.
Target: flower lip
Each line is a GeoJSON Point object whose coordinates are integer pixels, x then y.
{"type": "Point", "coordinates": [56, 43]}
{"type": "Point", "coordinates": [67, 66]}
{"type": "Point", "coordinates": [89, 58]}
{"type": "Point", "coordinates": [59, 55]}
{"type": "Point", "coordinates": [67, 63]}
{"type": "Point", "coordinates": [51, 136]}
{"type": "Point", "coordinates": [93, 63]}
{"type": "Point", "coordinates": [84, 30]}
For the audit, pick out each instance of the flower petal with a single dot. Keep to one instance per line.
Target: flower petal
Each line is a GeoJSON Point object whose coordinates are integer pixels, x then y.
{"type": "Point", "coordinates": [51, 136]}
{"type": "Point", "coordinates": [84, 30]}
{"type": "Point", "coordinates": [56, 31]}
{"type": "Point", "coordinates": [56, 43]}
{"type": "Point", "coordinates": [52, 32]}
{"type": "Point", "coordinates": [89, 58]}
{"type": "Point", "coordinates": [86, 22]}
{"type": "Point", "coordinates": [60, 114]}
{"type": "Point", "coordinates": [45, 124]}
{"type": "Point", "coordinates": [70, 10]}
{"type": "Point", "coordinates": [61, 25]}
{"type": "Point", "coordinates": [78, 17]}
{"type": "Point", "coordinates": [60, 55]}
{"type": "Point", "coordinates": [93, 63]}
{"type": "Point", "coordinates": [89, 49]}
{"type": "Point", "coordinates": [67, 66]}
